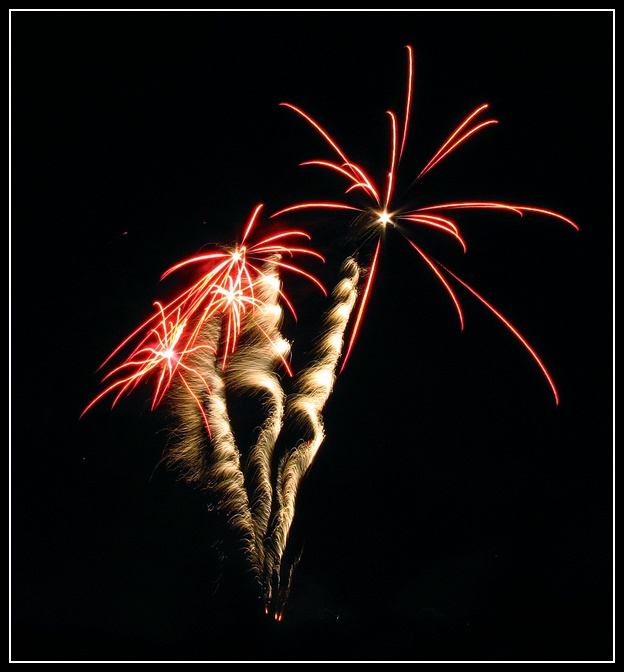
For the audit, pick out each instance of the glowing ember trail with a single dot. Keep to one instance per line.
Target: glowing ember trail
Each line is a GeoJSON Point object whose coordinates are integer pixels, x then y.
{"type": "Point", "coordinates": [314, 386]}
{"type": "Point", "coordinates": [252, 370]}
{"type": "Point", "coordinates": [220, 472]}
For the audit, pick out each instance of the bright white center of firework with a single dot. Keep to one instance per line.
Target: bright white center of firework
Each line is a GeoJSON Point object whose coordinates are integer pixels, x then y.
{"type": "Point", "coordinates": [385, 218]}
{"type": "Point", "coordinates": [232, 297]}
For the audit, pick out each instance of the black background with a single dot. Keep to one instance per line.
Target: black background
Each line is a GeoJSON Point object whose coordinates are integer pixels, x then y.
{"type": "Point", "coordinates": [454, 512]}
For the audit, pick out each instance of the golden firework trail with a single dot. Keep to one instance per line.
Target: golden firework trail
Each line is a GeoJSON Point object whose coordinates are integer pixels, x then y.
{"type": "Point", "coordinates": [219, 471]}
{"type": "Point", "coordinates": [253, 369]}
{"type": "Point", "coordinates": [314, 385]}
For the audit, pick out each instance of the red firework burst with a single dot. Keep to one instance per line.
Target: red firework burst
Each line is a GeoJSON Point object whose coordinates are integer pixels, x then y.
{"type": "Point", "coordinates": [225, 290]}
{"type": "Point", "coordinates": [382, 213]}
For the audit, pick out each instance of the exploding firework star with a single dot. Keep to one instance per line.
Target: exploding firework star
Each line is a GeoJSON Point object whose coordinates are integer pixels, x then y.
{"type": "Point", "coordinates": [382, 213]}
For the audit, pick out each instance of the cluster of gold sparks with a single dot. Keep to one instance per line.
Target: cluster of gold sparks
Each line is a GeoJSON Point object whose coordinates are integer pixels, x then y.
{"type": "Point", "coordinates": [222, 336]}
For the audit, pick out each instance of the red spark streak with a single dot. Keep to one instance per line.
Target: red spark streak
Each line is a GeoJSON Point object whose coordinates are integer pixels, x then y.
{"type": "Point", "coordinates": [363, 303]}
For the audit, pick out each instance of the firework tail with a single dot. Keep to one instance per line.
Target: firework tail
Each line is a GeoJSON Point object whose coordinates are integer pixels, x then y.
{"type": "Point", "coordinates": [252, 369]}
{"type": "Point", "coordinates": [314, 384]}
{"type": "Point", "coordinates": [219, 470]}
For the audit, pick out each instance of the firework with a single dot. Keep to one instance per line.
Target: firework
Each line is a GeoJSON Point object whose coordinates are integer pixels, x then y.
{"type": "Point", "coordinates": [229, 288]}
{"type": "Point", "coordinates": [162, 354]}
{"type": "Point", "coordinates": [382, 213]}
{"type": "Point", "coordinates": [226, 291]}
{"type": "Point", "coordinates": [220, 338]}
{"type": "Point", "coordinates": [314, 385]}
{"type": "Point", "coordinates": [191, 347]}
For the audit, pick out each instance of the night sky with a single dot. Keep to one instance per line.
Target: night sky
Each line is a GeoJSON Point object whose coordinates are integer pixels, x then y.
{"type": "Point", "coordinates": [454, 511]}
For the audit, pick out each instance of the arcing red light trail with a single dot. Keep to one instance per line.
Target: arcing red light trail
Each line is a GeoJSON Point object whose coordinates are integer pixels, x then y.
{"type": "Point", "coordinates": [221, 335]}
